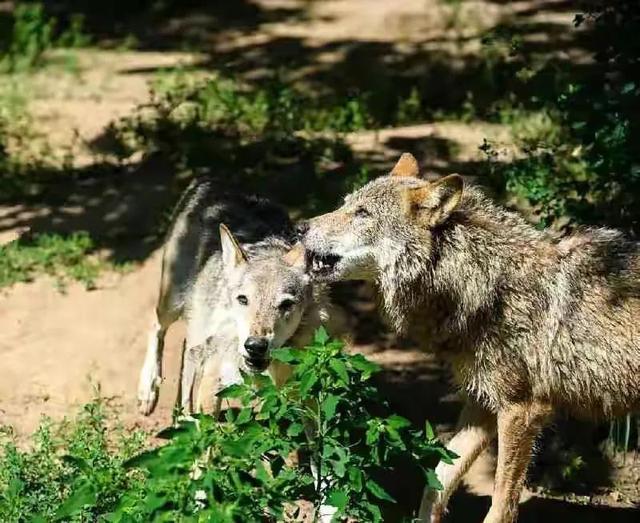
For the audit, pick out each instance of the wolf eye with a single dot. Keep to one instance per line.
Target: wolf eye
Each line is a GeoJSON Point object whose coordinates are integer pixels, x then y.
{"type": "Point", "coordinates": [361, 212]}
{"type": "Point", "coordinates": [242, 299]}
{"type": "Point", "coordinates": [286, 305]}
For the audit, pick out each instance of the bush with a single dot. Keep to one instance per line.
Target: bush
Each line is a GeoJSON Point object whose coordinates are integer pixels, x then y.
{"type": "Point", "coordinates": [272, 139]}
{"type": "Point", "coordinates": [238, 468]}
{"type": "Point", "coordinates": [35, 483]}
{"type": "Point", "coordinates": [34, 33]}
{"type": "Point", "coordinates": [583, 164]}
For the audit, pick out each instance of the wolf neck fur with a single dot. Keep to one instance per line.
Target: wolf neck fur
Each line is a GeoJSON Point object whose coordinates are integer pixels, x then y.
{"type": "Point", "coordinates": [462, 266]}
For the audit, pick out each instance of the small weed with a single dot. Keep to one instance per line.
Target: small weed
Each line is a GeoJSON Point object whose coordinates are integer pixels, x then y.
{"type": "Point", "coordinates": [32, 36]}
{"type": "Point", "coordinates": [410, 109]}
{"type": "Point", "coordinates": [63, 257]}
{"type": "Point", "coordinates": [34, 33]}
{"type": "Point", "coordinates": [35, 483]}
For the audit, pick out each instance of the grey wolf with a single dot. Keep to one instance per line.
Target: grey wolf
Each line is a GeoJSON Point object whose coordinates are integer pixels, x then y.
{"type": "Point", "coordinates": [532, 323]}
{"type": "Point", "coordinates": [245, 293]}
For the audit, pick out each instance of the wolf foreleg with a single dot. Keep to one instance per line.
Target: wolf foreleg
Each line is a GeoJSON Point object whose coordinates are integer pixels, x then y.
{"type": "Point", "coordinates": [518, 427]}
{"type": "Point", "coordinates": [151, 372]}
{"type": "Point", "coordinates": [476, 429]}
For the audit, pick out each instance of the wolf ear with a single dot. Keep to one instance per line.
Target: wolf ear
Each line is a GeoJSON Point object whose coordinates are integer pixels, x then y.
{"type": "Point", "coordinates": [436, 201]}
{"type": "Point", "coordinates": [232, 254]}
{"type": "Point", "coordinates": [295, 257]}
{"type": "Point", "coordinates": [407, 165]}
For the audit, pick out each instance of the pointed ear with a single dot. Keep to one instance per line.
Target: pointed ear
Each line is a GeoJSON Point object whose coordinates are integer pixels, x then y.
{"type": "Point", "coordinates": [436, 201]}
{"type": "Point", "coordinates": [407, 165]}
{"type": "Point", "coordinates": [295, 257]}
{"type": "Point", "coordinates": [232, 254]}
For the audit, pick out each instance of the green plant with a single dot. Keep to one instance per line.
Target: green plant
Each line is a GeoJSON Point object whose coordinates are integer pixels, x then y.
{"type": "Point", "coordinates": [239, 468]}
{"type": "Point", "coordinates": [74, 35]}
{"type": "Point", "coordinates": [32, 35]}
{"type": "Point", "coordinates": [269, 139]}
{"type": "Point", "coordinates": [580, 159]}
{"type": "Point", "coordinates": [35, 483]}
{"type": "Point", "coordinates": [410, 109]}
{"type": "Point", "coordinates": [62, 257]}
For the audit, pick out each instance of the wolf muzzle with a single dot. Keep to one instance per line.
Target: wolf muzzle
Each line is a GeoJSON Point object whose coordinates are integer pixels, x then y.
{"type": "Point", "coordinates": [257, 348]}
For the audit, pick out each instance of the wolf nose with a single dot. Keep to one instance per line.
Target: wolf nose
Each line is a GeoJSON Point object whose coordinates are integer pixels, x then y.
{"type": "Point", "coordinates": [302, 228]}
{"type": "Point", "coordinates": [256, 347]}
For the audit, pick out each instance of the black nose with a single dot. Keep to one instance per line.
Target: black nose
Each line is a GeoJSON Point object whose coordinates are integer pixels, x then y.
{"type": "Point", "coordinates": [302, 228]}
{"type": "Point", "coordinates": [256, 347]}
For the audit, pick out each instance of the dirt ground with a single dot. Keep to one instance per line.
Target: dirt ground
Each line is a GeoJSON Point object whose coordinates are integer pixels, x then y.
{"type": "Point", "coordinates": [58, 350]}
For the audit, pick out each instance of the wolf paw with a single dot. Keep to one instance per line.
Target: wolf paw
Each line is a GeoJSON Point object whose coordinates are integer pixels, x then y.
{"type": "Point", "coordinates": [148, 396]}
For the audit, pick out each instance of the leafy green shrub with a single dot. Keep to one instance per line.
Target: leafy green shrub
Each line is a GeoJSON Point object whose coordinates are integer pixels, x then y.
{"type": "Point", "coordinates": [273, 139]}
{"type": "Point", "coordinates": [59, 256]}
{"type": "Point", "coordinates": [35, 483]}
{"type": "Point", "coordinates": [582, 162]}
{"type": "Point", "coordinates": [239, 468]}
{"type": "Point", "coordinates": [34, 33]}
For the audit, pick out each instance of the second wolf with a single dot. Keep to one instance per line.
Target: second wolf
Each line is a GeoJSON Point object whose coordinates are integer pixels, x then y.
{"type": "Point", "coordinates": [242, 294]}
{"type": "Point", "coordinates": [531, 323]}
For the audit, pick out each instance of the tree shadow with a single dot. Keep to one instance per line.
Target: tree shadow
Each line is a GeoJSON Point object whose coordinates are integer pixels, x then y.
{"type": "Point", "coordinates": [436, 66]}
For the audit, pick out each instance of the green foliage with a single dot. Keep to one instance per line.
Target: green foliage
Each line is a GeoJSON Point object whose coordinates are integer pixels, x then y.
{"type": "Point", "coordinates": [35, 483]}
{"type": "Point", "coordinates": [63, 257]}
{"type": "Point", "coordinates": [581, 158]}
{"type": "Point", "coordinates": [270, 139]}
{"type": "Point", "coordinates": [238, 468]}
{"type": "Point", "coordinates": [410, 109]}
{"type": "Point", "coordinates": [34, 33]}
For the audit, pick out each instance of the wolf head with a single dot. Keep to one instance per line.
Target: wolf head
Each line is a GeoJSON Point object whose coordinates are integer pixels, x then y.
{"type": "Point", "coordinates": [269, 293]}
{"type": "Point", "coordinates": [380, 223]}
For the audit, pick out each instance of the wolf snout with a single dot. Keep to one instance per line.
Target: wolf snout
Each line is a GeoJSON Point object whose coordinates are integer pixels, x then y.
{"type": "Point", "coordinates": [256, 346]}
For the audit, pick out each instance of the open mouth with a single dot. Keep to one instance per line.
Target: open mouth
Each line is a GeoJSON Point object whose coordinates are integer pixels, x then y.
{"type": "Point", "coordinates": [321, 264]}
{"type": "Point", "coordinates": [257, 364]}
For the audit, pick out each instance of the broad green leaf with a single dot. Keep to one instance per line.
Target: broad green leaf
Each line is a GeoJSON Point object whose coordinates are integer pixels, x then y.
{"type": "Point", "coordinates": [321, 336]}
{"type": "Point", "coordinates": [359, 362]}
{"type": "Point", "coordinates": [378, 491]}
{"type": "Point", "coordinates": [307, 381]}
{"type": "Point", "coordinates": [374, 510]}
{"type": "Point", "coordinates": [428, 431]}
{"type": "Point", "coordinates": [329, 406]}
{"type": "Point", "coordinates": [337, 498]}
{"type": "Point", "coordinates": [446, 455]}
{"type": "Point", "coordinates": [287, 355]}
{"type": "Point", "coordinates": [143, 460]}
{"type": "Point", "coordinates": [295, 429]}
{"type": "Point", "coordinates": [232, 391]}
{"type": "Point", "coordinates": [340, 369]}
{"type": "Point", "coordinates": [355, 478]}
{"type": "Point", "coordinates": [432, 480]}
{"type": "Point", "coordinates": [398, 422]}
{"type": "Point", "coordinates": [244, 416]}
{"type": "Point", "coordinates": [83, 496]}
{"type": "Point", "coordinates": [339, 467]}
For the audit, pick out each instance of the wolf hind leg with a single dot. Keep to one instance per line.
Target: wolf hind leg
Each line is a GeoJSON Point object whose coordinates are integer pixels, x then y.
{"type": "Point", "coordinates": [518, 427]}
{"type": "Point", "coordinates": [476, 430]}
